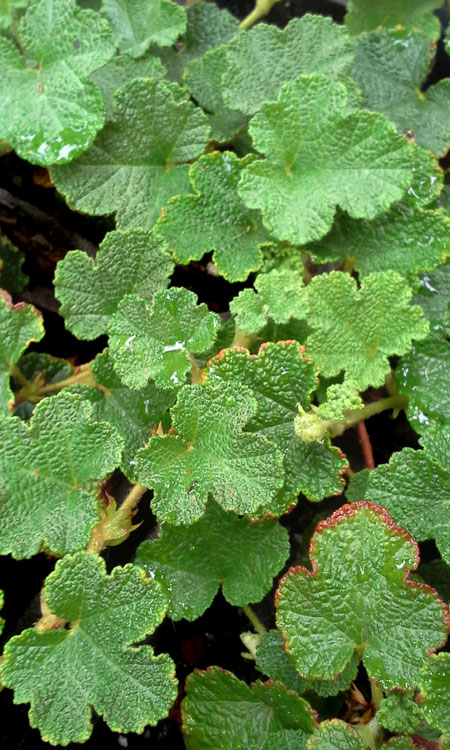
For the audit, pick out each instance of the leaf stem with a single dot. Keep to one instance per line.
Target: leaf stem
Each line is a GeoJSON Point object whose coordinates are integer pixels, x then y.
{"type": "Point", "coordinates": [241, 339]}
{"type": "Point", "coordinates": [196, 373]}
{"type": "Point", "coordinates": [261, 9]}
{"type": "Point", "coordinates": [376, 693]}
{"type": "Point", "coordinates": [383, 404]}
{"type": "Point", "coordinates": [132, 499]}
{"type": "Point", "coordinates": [255, 621]}
{"type": "Point", "coordinates": [366, 445]}
{"type": "Point", "coordinates": [83, 375]}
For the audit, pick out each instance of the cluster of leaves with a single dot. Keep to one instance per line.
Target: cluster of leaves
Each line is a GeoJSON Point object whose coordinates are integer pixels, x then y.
{"type": "Point", "coordinates": [267, 151]}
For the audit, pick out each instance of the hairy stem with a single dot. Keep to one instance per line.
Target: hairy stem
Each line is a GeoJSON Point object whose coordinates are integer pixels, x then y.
{"type": "Point", "coordinates": [260, 10]}
{"type": "Point", "coordinates": [255, 621]}
{"type": "Point", "coordinates": [83, 375]}
{"type": "Point", "coordinates": [391, 402]}
{"type": "Point", "coordinates": [366, 445]}
{"type": "Point", "coordinates": [196, 373]}
{"type": "Point", "coordinates": [132, 499]}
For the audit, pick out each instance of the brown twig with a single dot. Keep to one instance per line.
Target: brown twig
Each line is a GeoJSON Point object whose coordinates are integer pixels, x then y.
{"type": "Point", "coordinates": [366, 445]}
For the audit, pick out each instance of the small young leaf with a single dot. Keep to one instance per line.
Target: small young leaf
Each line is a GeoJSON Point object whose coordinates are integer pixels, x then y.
{"type": "Point", "coordinates": [315, 160]}
{"type": "Point", "coordinates": [210, 454]}
{"type": "Point", "coordinates": [356, 330]}
{"type": "Point", "coordinates": [280, 378]}
{"type": "Point", "coordinates": [279, 297]}
{"type": "Point", "coordinates": [138, 23]}
{"type": "Point", "coordinates": [129, 169]}
{"type": "Point", "coordinates": [358, 597]}
{"type": "Point", "coordinates": [11, 277]}
{"type": "Point", "coordinates": [406, 239]}
{"type": "Point", "coordinates": [220, 549]}
{"type": "Point", "coordinates": [399, 712]}
{"type": "Point", "coordinates": [221, 711]}
{"type": "Point", "coordinates": [335, 734]}
{"type": "Point", "coordinates": [365, 15]}
{"type": "Point", "coordinates": [50, 471]}
{"type": "Point", "coordinates": [262, 59]}
{"type": "Point", "coordinates": [215, 219]}
{"type": "Point", "coordinates": [65, 674]}
{"type": "Point", "coordinates": [414, 488]}
{"type": "Point", "coordinates": [434, 297]}
{"type": "Point", "coordinates": [434, 684]}
{"type": "Point", "coordinates": [20, 324]}
{"type": "Point", "coordinates": [155, 341]}
{"type": "Point", "coordinates": [424, 376]}
{"type": "Point", "coordinates": [341, 398]}
{"type": "Point", "coordinates": [50, 112]}
{"type": "Point", "coordinates": [390, 68]}
{"type": "Point", "coordinates": [90, 291]}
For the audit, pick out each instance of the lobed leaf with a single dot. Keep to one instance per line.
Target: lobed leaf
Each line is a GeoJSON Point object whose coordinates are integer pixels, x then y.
{"type": "Point", "coordinates": [156, 341]}
{"type": "Point", "coordinates": [219, 550]}
{"type": "Point", "coordinates": [215, 218]}
{"type": "Point", "coordinates": [128, 262]}
{"type": "Point", "coordinates": [358, 598]}
{"type": "Point", "coordinates": [107, 613]}
{"type": "Point", "coordinates": [317, 158]}
{"type": "Point", "coordinates": [50, 473]}
{"type": "Point", "coordinates": [356, 330]}
{"type": "Point", "coordinates": [130, 169]}
{"type": "Point", "coordinates": [335, 734]}
{"type": "Point", "coordinates": [364, 15]}
{"type": "Point", "coordinates": [51, 112]}
{"type": "Point", "coordinates": [279, 297]}
{"type": "Point", "coordinates": [399, 712]}
{"type": "Point", "coordinates": [139, 23]}
{"type": "Point", "coordinates": [220, 710]}
{"type": "Point", "coordinates": [210, 453]}
{"type": "Point", "coordinates": [434, 684]}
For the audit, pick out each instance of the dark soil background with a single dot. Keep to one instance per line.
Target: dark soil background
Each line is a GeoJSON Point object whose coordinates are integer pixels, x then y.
{"type": "Point", "coordinates": [40, 224]}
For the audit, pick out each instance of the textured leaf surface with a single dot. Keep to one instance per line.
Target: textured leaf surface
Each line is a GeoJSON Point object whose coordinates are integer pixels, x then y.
{"type": "Point", "coordinates": [358, 597]}
{"type": "Point", "coordinates": [50, 470]}
{"type": "Point", "coordinates": [215, 219]}
{"type": "Point", "coordinates": [389, 68]}
{"type": "Point", "coordinates": [138, 23]}
{"type": "Point", "coordinates": [155, 341]}
{"type": "Point", "coordinates": [130, 169]}
{"type": "Point", "coordinates": [424, 376]}
{"type": "Point", "coordinates": [434, 684]}
{"type": "Point", "coordinates": [365, 15]}
{"type": "Point", "coordinates": [132, 413]}
{"type": "Point", "coordinates": [20, 324]}
{"type": "Point", "coordinates": [280, 378]}
{"type": "Point", "coordinates": [399, 712]}
{"type": "Point", "coordinates": [219, 550]}
{"type": "Point", "coordinates": [356, 330]}
{"type": "Point", "coordinates": [262, 59]}
{"type": "Point", "coordinates": [434, 296]}
{"type": "Point", "coordinates": [203, 77]}
{"type": "Point", "coordinates": [11, 258]}
{"type": "Point", "coordinates": [107, 613]}
{"type": "Point", "coordinates": [220, 710]}
{"type": "Point", "coordinates": [317, 157]}
{"type": "Point", "coordinates": [90, 291]}
{"type": "Point", "coordinates": [279, 296]}
{"type": "Point", "coordinates": [415, 489]}
{"type": "Point", "coordinates": [51, 113]}
{"type": "Point", "coordinates": [406, 239]}
{"type": "Point", "coordinates": [335, 735]}
{"type": "Point", "coordinates": [7, 11]}
{"type": "Point", "coordinates": [210, 454]}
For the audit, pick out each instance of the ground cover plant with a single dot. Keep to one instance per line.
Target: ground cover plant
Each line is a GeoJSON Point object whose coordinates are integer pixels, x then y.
{"type": "Point", "coordinates": [246, 427]}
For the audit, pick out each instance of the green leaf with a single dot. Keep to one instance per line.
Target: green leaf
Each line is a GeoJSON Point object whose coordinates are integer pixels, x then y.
{"type": "Point", "coordinates": [399, 743]}
{"type": "Point", "coordinates": [50, 112]}
{"type": "Point", "coordinates": [341, 398]}
{"type": "Point", "coordinates": [428, 178]}
{"type": "Point", "coordinates": [132, 413]}
{"type": "Point", "coordinates": [406, 239]}
{"type": "Point", "coordinates": [8, 10]}
{"type": "Point", "coordinates": [130, 169]}
{"type": "Point", "coordinates": [437, 574]}
{"type": "Point", "coordinates": [11, 258]}
{"type": "Point", "coordinates": [335, 734]}
{"type": "Point", "coordinates": [138, 23]}
{"type": "Point", "coordinates": [203, 77]}
{"type": "Point", "coordinates": [415, 489]}
{"type": "Point", "coordinates": [127, 262]}
{"type": "Point", "coordinates": [399, 712]}
{"type": "Point", "coordinates": [210, 453]}
{"type": "Point", "coordinates": [20, 324]}
{"type": "Point", "coordinates": [262, 59]}
{"type": "Point", "coordinates": [390, 68]}
{"type": "Point", "coordinates": [424, 376]}
{"type": "Point", "coordinates": [363, 168]}
{"type": "Point", "coordinates": [285, 739]}
{"type": "Point", "coordinates": [279, 297]}
{"type": "Point", "coordinates": [128, 686]}
{"type": "Point", "coordinates": [434, 684]}
{"type": "Point", "coordinates": [51, 469]}
{"type": "Point", "coordinates": [280, 378]}
{"type": "Point", "coordinates": [273, 661]}
{"type": "Point", "coordinates": [434, 296]}
{"type": "Point", "coordinates": [156, 341]}
{"type": "Point", "coordinates": [121, 70]}
{"type": "Point", "coordinates": [365, 15]}
{"type": "Point", "coordinates": [221, 711]}
{"type": "Point", "coordinates": [358, 597]}
{"type": "Point", "coordinates": [356, 330]}
{"type": "Point", "coordinates": [215, 218]}
{"type": "Point", "coordinates": [219, 550]}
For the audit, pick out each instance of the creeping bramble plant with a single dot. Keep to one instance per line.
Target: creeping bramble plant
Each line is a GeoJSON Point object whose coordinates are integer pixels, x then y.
{"type": "Point", "coordinates": [301, 164]}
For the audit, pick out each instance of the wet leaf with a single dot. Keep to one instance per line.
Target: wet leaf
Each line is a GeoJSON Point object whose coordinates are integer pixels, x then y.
{"type": "Point", "coordinates": [434, 684]}
{"type": "Point", "coordinates": [279, 296]}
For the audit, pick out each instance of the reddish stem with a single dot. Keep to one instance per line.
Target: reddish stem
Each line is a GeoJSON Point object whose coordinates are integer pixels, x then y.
{"type": "Point", "coordinates": [423, 743]}
{"type": "Point", "coordinates": [366, 445]}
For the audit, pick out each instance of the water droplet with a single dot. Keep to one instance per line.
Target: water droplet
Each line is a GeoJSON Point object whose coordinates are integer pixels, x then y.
{"type": "Point", "coordinates": [230, 401]}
